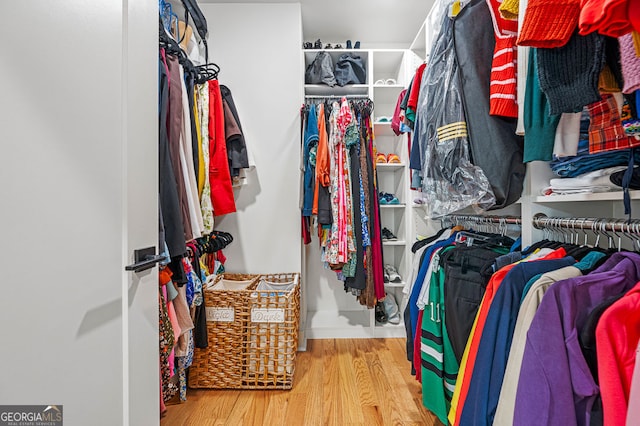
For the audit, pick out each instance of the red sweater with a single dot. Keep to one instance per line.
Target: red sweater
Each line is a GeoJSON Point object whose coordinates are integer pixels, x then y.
{"type": "Point", "coordinates": [502, 92]}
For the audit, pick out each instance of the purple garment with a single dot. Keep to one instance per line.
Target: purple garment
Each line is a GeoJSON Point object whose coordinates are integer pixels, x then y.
{"type": "Point", "coordinates": [555, 385]}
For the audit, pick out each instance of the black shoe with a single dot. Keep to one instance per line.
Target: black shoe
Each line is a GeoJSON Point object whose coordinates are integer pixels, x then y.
{"type": "Point", "coordinates": [317, 44]}
{"type": "Point", "coordinates": [381, 314]}
{"type": "Point", "coordinates": [328, 46]}
{"type": "Point", "coordinates": [307, 45]}
{"type": "Point", "coordinates": [337, 46]}
{"type": "Point", "coordinates": [349, 46]}
{"type": "Point", "coordinates": [388, 235]}
{"type": "Point", "coordinates": [357, 45]}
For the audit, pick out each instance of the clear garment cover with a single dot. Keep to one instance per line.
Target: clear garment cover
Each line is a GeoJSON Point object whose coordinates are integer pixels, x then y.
{"type": "Point", "coordinates": [450, 181]}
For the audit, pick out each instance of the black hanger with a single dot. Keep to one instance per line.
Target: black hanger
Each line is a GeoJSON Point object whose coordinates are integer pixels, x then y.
{"type": "Point", "coordinates": [207, 72]}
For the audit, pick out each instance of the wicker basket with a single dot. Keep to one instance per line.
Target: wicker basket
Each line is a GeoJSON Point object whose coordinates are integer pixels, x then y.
{"type": "Point", "coordinates": [257, 349]}
{"type": "Point", "coordinates": [219, 365]}
{"type": "Point", "coordinates": [272, 333]}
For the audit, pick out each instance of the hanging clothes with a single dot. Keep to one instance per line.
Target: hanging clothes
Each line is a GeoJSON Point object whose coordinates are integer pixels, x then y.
{"type": "Point", "coordinates": [205, 195]}
{"type": "Point", "coordinates": [340, 189]}
{"type": "Point", "coordinates": [494, 146]}
{"type": "Point", "coordinates": [546, 373]}
{"type": "Point", "coordinates": [168, 191]}
{"type": "Point", "coordinates": [236, 145]}
{"type": "Point", "coordinates": [219, 177]}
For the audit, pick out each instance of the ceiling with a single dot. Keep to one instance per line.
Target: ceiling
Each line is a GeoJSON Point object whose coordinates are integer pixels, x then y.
{"type": "Point", "coordinates": [376, 23]}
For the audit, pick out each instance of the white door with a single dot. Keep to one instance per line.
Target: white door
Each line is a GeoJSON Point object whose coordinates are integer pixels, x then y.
{"type": "Point", "coordinates": [78, 193]}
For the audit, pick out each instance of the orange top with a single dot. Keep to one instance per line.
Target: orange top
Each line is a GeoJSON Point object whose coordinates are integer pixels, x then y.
{"type": "Point", "coordinates": [323, 162]}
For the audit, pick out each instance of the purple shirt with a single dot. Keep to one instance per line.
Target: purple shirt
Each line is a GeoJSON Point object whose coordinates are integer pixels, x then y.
{"type": "Point", "coordinates": [556, 386]}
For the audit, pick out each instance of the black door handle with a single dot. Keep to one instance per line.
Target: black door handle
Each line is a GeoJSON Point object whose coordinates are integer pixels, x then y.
{"type": "Point", "coordinates": [145, 258]}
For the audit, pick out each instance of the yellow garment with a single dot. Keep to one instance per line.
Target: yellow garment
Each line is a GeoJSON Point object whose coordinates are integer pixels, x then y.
{"type": "Point", "coordinates": [455, 8]}
{"type": "Point", "coordinates": [201, 172]}
{"type": "Point", "coordinates": [509, 9]}
{"type": "Point", "coordinates": [607, 82]}
{"type": "Point", "coordinates": [636, 42]}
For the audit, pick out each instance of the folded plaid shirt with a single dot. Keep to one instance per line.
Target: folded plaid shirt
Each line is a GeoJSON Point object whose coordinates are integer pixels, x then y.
{"type": "Point", "coordinates": [605, 131]}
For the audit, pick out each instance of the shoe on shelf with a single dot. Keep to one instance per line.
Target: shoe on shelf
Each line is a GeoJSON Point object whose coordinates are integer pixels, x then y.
{"type": "Point", "coordinates": [307, 45]}
{"type": "Point", "coordinates": [381, 158]}
{"type": "Point", "coordinates": [392, 273]}
{"type": "Point", "coordinates": [386, 277]}
{"type": "Point", "coordinates": [317, 44]}
{"type": "Point", "coordinates": [349, 45]}
{"type": "Point", "coordinates": [357, 45]}
{"type": "Point", "coordinates": [381, 315]}
{"type": "Point", "coordinates": [386, 198]}
{"type": "Point", "coordinates": [337, 46]}
{"type": "Point", "coordinates": [391, 309]}
{"type": "Point", "coordinates": [328, 46]}
{"type": "Point", "coordinates": [393, 158]}
{"type": "Point", "coordinates": [388, 235]}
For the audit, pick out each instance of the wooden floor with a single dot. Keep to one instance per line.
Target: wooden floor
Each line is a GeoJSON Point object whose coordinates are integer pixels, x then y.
{"type": "Point", "coordinates": [336, 382]}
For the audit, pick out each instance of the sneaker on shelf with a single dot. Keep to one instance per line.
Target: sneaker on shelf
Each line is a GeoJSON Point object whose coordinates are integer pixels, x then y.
{"type": "Point", "coordinates": [317, 44]}
{"type": "Point", "coordinates": [392, 273]}
{"type": "Point", "coordinates": [386, 198]}
{"type": "Point", "coordinates": [391, 309]}
{"type": "Point", "coordinates": [388, 235]}
{"type": "Point", "coordinates": [381, 315]}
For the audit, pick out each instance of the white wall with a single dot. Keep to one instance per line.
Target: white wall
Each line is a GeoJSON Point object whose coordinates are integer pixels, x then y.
{"type": "Point", "coordinates": [258, 48]}
{"type": "Point", "coordinates": [67, 148]}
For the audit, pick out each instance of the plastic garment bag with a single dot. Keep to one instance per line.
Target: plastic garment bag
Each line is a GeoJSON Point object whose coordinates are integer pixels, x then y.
{"type": "Point", "coordinates": [450, 182]}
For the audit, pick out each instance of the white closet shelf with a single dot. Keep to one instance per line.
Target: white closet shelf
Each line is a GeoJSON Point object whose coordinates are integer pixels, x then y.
{"type": "Point", "coordinates": [324, 90]}
{"type": "Point", "coordinates": [600, 196]}
{"type": "Point", "coordinates": [398, 285]}
{"type": "Point", "coordinates": [383, 128]}
{"type": "Point", "coordinates": [392, 206]}
{"type": "Point", "coordinates": [388, 86]}
{"type": "Point", "coordinates": [390, 166]}
{"type": "Point", "coordinates": [393, 243]}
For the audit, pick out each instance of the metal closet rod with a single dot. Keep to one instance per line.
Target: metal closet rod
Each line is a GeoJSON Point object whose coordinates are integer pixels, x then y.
{"type": "Point", "coordinates": [509, 220]}
{"type": "Point", "coordinates": [336, 96]}
{"type": "Point", "coordinates": [542, 221]}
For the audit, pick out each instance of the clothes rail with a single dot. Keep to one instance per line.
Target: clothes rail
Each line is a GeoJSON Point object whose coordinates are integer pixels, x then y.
{"type": "Point", "coordinates": [481, 220]}
{"type": "Point", "coordinates": [336, 96]}
{"type": "Point", "coordinates": [542, 221]}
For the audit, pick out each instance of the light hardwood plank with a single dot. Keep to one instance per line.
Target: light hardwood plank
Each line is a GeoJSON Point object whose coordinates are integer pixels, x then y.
{"type": "Point", "coordinates": [347, 352]}
{"type": "Point", "coordinates": [332, 398]}
{"type": "Point", "coordinates": [314, 383]}
{"type": "Point", "coordinates": [336, 382]}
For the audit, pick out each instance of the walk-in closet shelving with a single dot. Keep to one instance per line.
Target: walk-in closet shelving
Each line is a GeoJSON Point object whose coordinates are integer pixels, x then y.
{"type": "Point", "coordinates": [331, 312]}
